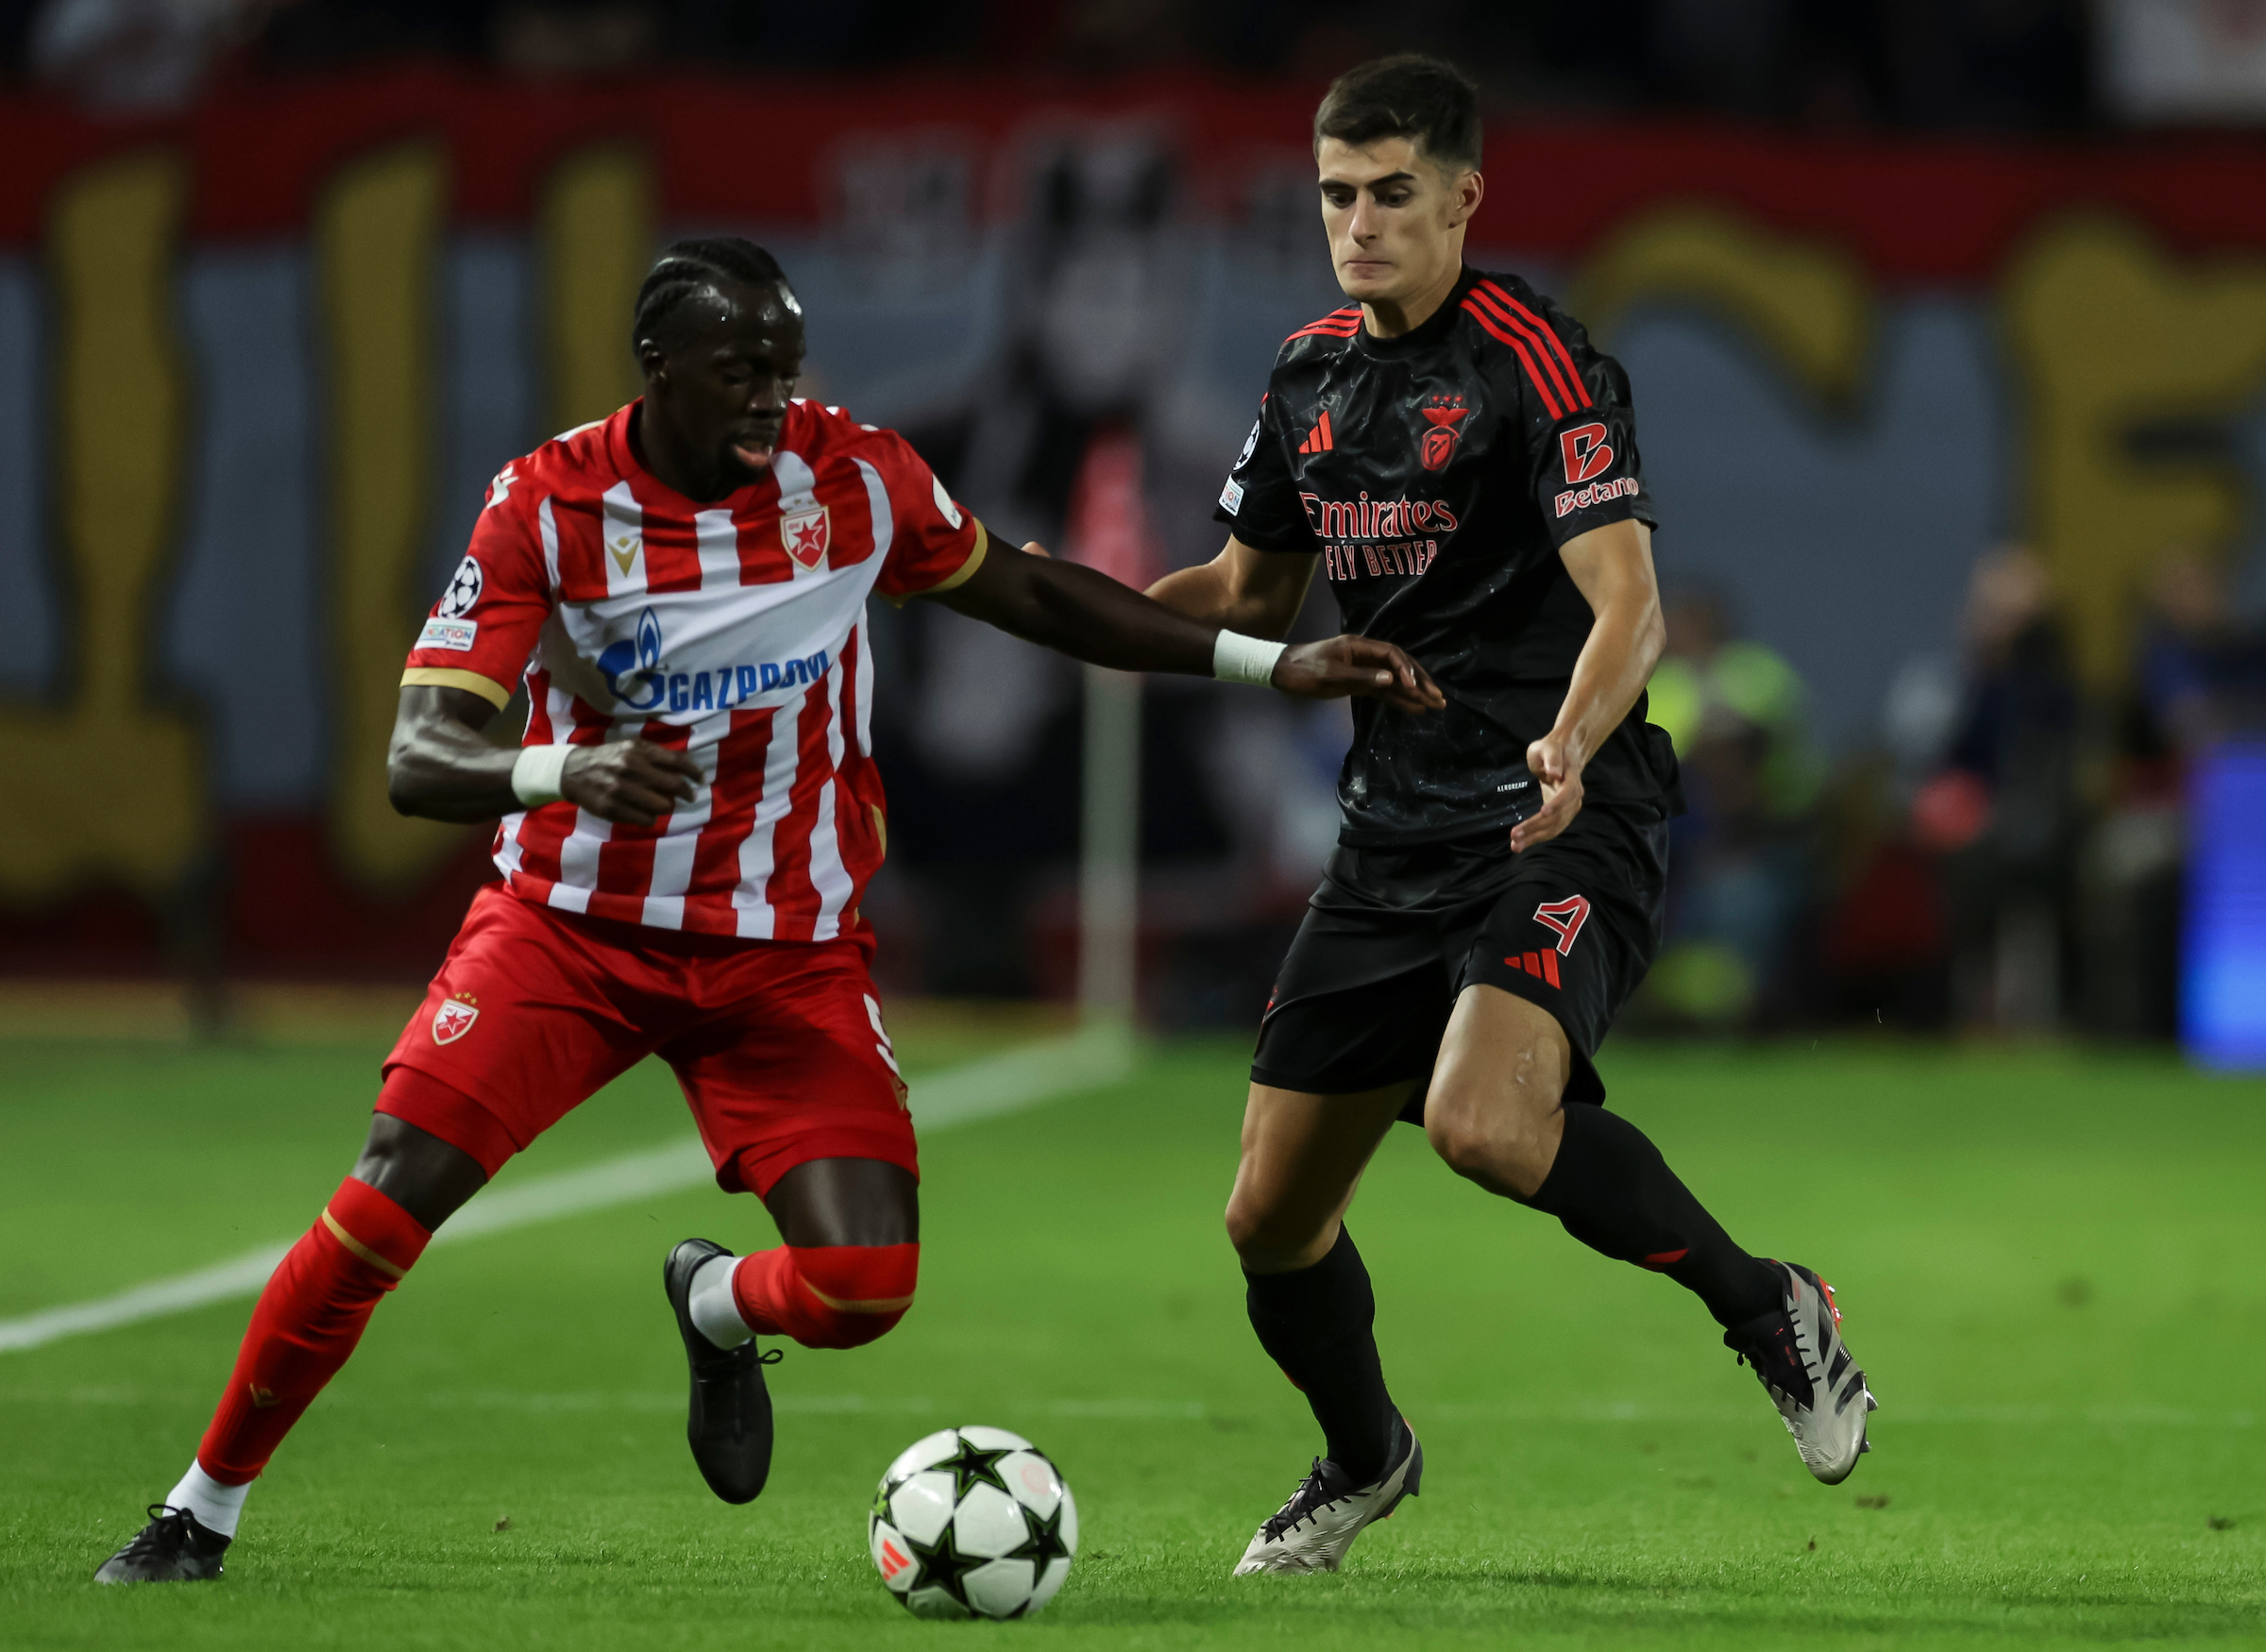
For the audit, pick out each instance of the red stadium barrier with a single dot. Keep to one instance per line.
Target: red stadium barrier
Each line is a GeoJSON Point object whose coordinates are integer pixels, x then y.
{"type": "Point", "coordinates": [754, 151]}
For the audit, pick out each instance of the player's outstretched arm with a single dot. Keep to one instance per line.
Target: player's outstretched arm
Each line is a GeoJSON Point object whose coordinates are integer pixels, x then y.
{"type": "Point", "coordinates": [1612, 567]}
{"type": "Point", "coordinates": [1089, 616]}
{"type": "Point", "coordinates": [1256, 592]}
{"type": "Point", "coordinates": [441, 767]}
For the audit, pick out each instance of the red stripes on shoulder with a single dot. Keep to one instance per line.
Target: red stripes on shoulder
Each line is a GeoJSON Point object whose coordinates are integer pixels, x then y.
{"type": "Point", "coordinates": [1338, 324]}
{"type": "Point", "coordinates": [1536, 344]}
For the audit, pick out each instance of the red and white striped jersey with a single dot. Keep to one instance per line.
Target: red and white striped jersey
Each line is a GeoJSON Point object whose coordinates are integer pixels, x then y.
{"type": "Point", "coordinates": [735, 632]}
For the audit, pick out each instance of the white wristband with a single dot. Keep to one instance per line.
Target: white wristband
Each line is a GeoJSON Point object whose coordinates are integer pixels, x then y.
{"type": "Point", "coordinates": [537, 774]}
{"type": "Point", "coordinates": [1237, 658]}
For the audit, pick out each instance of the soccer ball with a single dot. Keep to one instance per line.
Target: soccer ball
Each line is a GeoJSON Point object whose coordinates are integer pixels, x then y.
{"type": "Point", "coordinates": [972, 1523]}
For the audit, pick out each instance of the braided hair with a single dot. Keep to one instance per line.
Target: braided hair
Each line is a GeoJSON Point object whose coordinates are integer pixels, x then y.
{"type": "Point", "coordinates": [686, 269]}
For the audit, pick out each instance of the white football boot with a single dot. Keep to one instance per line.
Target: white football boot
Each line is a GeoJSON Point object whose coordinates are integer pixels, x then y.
{"type": "Point", "coordinates": [1819, 1389]}
{"type": "Point", "coordinates": [1312, 1531]}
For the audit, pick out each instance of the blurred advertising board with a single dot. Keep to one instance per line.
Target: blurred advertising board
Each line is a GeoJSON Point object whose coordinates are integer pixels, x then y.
{"type": "Point", "coordinates": [2223, 987]}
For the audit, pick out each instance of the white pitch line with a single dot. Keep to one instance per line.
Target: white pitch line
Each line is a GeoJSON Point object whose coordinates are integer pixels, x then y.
{"type": "Point", "coordinates": [1007, 1083]}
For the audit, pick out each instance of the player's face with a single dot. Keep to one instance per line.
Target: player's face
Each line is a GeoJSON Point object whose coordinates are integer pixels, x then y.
{"type": "Point", "coordinates": [1396, 219]}
{"type": "Point", "coordinates": [724, 390]}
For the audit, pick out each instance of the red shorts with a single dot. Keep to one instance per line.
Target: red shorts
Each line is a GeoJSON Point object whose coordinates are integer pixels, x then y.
{"type": "Point", "coordinates": [778, 1045]}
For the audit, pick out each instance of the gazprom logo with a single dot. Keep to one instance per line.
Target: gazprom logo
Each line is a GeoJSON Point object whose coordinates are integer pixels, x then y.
{"type": "Point", "coordinates": [644, 688]}
{"type": "Point", "coordinates": [647, 687]}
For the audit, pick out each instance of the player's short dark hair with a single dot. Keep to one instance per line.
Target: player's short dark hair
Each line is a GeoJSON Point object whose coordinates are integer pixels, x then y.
{"type": "Point", "coordinates": [1427, 100]}
{"type": "Point", "coordinates": [688, 268]}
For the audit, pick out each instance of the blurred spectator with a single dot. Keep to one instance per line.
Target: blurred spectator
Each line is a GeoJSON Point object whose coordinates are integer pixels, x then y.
{"type": "Point", "coordinates": [1884, 939]}
{"type": "Point", "coordinates": [1739, 873]}
{"type": "Point", "coordinates": [2201, 672]}
{"type": "Point", "coordinates": [2004, 809]}
{"type": "Point", "coordinates": [2199, 677]}
{"type": "Point", "coordinates": [1711, 687]}
{"type": "Point", "coordinates": [137, 54]}
{"type": "Point", "coordinates": [1956, 854]}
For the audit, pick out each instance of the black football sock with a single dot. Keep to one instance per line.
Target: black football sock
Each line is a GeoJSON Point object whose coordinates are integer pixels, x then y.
{"type": "Point", "coordinates": [1315, 1323]}
{"type": "Point", "coordinates": [1614, 1194]}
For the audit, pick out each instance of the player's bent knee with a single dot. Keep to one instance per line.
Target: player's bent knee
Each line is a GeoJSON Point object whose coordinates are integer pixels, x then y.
{"type": "Point", "coordinates": [1281, 1242]}
{"type": "Point", "coordinates": [1245, 1220]}
{"type": "Point", "coordinates": [850, 1329]}
{"type": "Point", "coordinates": [1460, 1139]}
{"type": "Point", "coordinates": [1267, 1240]}
{"type": "Point", "coordinates": [1503, 1148]}
{"type": "Point", "coordinates": [854, 1294]}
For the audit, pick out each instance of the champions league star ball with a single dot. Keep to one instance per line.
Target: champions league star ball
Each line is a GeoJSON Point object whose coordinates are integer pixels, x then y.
{"type": "Point", "coordinates": [972, 1523]}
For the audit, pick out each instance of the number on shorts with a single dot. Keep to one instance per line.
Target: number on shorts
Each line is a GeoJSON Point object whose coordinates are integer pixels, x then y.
{"type": "Point", "coordinates": [881, 1035]}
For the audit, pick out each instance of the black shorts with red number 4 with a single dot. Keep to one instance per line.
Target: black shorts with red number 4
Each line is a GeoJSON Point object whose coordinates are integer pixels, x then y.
{"type": "Point", "coordinates": [1392, 936]}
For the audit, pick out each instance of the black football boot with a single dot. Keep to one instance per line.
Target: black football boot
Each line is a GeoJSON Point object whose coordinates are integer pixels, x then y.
{"type": "Point", "coordinates": [729, 1423]}
{"type": "Point", "coordinates": [172, 1548]}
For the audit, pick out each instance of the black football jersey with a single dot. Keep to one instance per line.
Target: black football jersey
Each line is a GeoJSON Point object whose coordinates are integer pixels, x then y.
{"type": "Point", "coordinates": [1436, 475]}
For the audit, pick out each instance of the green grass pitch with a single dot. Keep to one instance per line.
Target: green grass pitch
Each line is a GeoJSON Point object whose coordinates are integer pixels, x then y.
{"type": "Point", "coordinates": [2050, 1264]}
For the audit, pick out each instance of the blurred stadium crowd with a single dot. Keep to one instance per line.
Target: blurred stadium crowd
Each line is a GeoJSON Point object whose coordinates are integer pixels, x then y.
{"type": "Point", "coordinates": [2007, 854]}
{"type": "Point", "coordinates": [1994, 65]}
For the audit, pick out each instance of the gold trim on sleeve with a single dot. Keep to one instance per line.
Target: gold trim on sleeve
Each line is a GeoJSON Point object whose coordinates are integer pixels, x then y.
{"type": "Point", "coordinates": [448, 676]}
{"type": "Point", "coordinates": [960, 577]}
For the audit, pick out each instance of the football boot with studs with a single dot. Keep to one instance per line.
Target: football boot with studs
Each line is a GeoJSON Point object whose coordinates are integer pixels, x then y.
{"type": "Point", "coordinates": [729, 1423]}
{"type": "Point", "coordinates": [1313, 1529]}
{"type": "Point", "coordinates": [1807, 1370]}
{"type": "Point", "coordinates": [175, 1548]}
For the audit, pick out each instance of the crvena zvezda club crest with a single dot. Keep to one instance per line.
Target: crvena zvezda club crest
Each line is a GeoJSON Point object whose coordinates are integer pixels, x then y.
{"type": "Point", "coordinates": [454, 1018]}
{"type": "Point", "coordinates": [1441, 420]}
{"type": "Point", "coordinates": [804, 534]}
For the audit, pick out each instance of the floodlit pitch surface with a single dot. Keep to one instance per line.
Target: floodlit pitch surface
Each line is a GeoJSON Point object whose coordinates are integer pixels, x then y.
{"type": "Point", "coordinates": [2050, 1264]}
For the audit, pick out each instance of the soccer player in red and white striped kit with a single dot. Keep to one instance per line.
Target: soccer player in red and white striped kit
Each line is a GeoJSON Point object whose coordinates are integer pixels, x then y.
{"type": "Point", "coordinates": [685, 833]}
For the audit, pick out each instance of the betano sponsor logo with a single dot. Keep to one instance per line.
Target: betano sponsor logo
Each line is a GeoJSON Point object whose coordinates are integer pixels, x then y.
{"type": "Point", "coordinates": [1587, 453]}
{"type": "Point", "coordinates": [1598, 493]}
{"type": "Point", "coordinates": [636, 675]}
{"type": "Point", "coordinates": [1376, 537]}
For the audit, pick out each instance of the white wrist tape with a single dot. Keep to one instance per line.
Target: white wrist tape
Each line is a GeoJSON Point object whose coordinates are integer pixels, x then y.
{"type": "Point", "coordinates": [1237, 658]}
{"type": "Point", "coordinates": [537, 774]}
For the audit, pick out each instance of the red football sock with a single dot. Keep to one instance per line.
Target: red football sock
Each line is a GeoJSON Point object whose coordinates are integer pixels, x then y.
{"type": "Point", "coordinates": [826, 1296]}
{"type": "Point", "coordinates": [308, 1318]}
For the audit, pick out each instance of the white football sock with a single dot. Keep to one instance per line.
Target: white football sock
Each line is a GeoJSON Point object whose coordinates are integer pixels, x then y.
{"type": "Point", "coordinates": [715, 1311]}
{"type": "Point", "coordinates": [217, 1508]}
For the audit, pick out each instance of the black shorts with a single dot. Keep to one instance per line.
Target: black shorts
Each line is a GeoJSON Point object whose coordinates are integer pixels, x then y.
{"type": "Point", "coordinates": [1392, 936]}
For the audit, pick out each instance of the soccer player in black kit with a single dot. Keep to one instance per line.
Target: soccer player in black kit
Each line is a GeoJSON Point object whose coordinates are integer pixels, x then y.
{"type": "Point", "coordinates": [1462, 465]}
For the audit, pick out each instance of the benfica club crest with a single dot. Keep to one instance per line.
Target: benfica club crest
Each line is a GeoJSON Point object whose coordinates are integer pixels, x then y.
{"type": "Point", "coordinates": [453, 1019]}
{"type": "Point", "coordinates": [804, 534]}
{"type": "Point", "coordinates": [1441, 419]}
